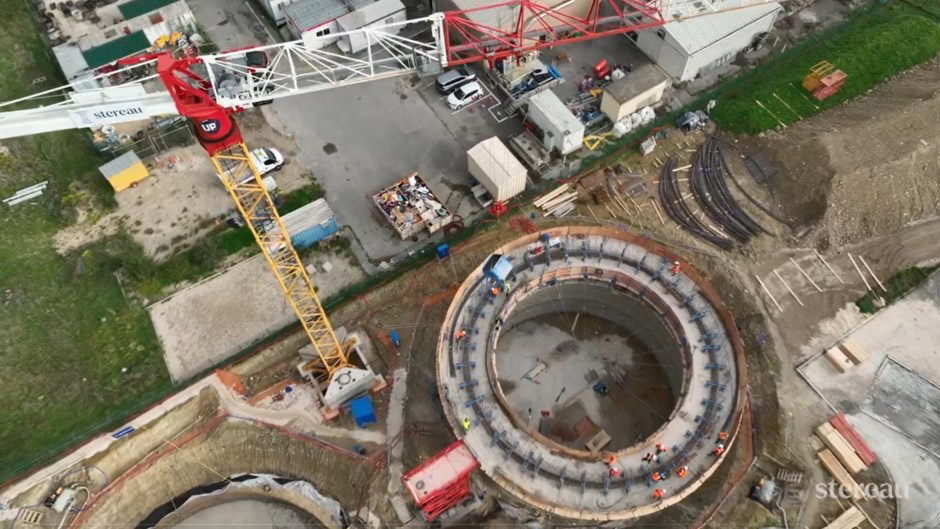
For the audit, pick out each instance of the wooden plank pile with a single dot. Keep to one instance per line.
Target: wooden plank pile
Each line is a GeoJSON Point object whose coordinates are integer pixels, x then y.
{"type": "Point", "coordinates": [558, 202]}
{"type": "Point", "coordinates": [846, 355]}
{"type": "Point", "coordinates": [849, 519]}
{"type": "Point", "coordinates": [835, 468]}
{"type": "Point", "coordinates": [855, 353]}
{"type": "Point", "coordinates": [840, 448]}
{"type": "Point", "coordinates": [852, 437]}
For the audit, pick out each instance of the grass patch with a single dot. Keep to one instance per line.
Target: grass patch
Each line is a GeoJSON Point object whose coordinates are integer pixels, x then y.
{"type": "Point", "coordinates": [298, 198]}
{"type": "Point", "coordinates": [872, 46]}
{"type": "Point", "coordinates": [121, 254]}
{"type": "Point", "coordinates": [66, 330]}
{"type": "Point", "coordinates": [898, 285]}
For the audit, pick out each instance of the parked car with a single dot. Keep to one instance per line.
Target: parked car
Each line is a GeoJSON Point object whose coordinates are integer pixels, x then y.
{"type": "Point", "coordinates": [449, 81]}
{"type": "Point", "coordinates": [267, 159]}
{"type": "Point", "coordinates": [464, 95]}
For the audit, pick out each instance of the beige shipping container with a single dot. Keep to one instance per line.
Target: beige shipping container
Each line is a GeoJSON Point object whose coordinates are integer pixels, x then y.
{"type": "Point", "coordinates": [497, 169]}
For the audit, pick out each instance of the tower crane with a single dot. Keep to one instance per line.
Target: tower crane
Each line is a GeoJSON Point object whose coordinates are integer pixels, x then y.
{"type": "Point", "coordinates": [210, 89]}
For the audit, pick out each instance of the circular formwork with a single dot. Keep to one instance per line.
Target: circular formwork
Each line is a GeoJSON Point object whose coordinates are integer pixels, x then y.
{"type": "Point", "coordinates": [628, 277]}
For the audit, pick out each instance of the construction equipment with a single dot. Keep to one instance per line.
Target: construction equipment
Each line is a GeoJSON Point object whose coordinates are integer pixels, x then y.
{"type": "Point", "coordinates": [209, 89]}
{"type": "Point", "coordinates": [823, 80]}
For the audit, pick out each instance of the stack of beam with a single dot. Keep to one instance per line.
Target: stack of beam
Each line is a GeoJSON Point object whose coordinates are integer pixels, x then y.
{"type": "Point", "coordinates": [558, 202]}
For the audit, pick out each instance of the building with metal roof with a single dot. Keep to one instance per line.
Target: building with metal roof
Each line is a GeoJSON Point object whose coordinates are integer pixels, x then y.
{"type": "Point", "coordinates": [318, 16]}
{"type": "Point", "coordinates": [702, 41]}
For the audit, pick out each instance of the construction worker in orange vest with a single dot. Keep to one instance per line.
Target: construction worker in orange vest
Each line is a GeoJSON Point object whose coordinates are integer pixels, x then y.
{"type": "Point", "coordinates": [723, 436]}
{"type": "Point", "coordinates": [611, 459]}
{"type": "Point", "coordinates": [676, 266]}
{"type": "Point", "coordinates": [614, 472]}
{"type": "Point", "coordinates": [682, 471]}
{"type": "Point", "coordinates": [658, 493]}
{"type": "Point", "coordinates": [655, 476]}
{"type": "Point", "coordinates": [494, 291]}
{"type": "Point", "coordinates": [718, 450]}
{"type": "Point", "coordinates": [459, 334]}
{"type": "Point", "coordinates": [660, 448]}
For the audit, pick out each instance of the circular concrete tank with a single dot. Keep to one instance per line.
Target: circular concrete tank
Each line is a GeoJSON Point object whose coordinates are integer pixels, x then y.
{"type": "Point", "coordinates": [513, 364]}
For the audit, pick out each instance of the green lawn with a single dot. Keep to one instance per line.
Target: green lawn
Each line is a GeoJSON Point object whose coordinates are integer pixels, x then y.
{"type": "Point", "coordinates": [898, 285]}
{"type": "Point", "coordinates": [66, 330]}
{"type": "Point", "coordinates": [869, 48]}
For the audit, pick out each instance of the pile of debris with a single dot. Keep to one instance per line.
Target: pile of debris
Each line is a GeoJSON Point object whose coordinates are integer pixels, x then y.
{"type": "Point", "coordinates": [410, 206]}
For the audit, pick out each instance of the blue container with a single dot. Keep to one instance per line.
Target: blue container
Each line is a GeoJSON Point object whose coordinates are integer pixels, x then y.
{"type": "Point", "coordinates": [314, 234]}
{"type": "Point", "coordinates": [310, 224]}
{"type": "Point", "coordinates": [362, 412]}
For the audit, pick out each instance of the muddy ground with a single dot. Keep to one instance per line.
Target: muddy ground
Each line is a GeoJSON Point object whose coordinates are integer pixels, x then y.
{"type": "Point", "coordinates": [866, 168]}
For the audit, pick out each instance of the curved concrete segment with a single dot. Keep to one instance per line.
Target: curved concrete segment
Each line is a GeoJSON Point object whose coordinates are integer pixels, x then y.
{"type": "Point", "coordinates": [576, 483]}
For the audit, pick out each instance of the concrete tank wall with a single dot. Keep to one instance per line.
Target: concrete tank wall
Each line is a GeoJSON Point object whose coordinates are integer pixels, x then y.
{"type": "Point", "coordinates": [615, 306]}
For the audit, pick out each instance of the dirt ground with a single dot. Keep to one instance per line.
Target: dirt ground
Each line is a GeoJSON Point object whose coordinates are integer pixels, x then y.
{"type": "Point", "coordinates": [205, 323]}
{"type": "Point", "coordinates": [866, 168]}
{"type": "Point", "coordinates": [179, 202]}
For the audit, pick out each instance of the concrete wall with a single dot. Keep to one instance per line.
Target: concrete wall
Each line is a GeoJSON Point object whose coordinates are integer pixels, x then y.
{"type": "Point", "coordinates": [621, 308]}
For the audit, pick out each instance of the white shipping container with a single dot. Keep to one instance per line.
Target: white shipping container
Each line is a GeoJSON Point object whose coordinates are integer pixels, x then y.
{"type": "Point", "coordinates": [494, 166]}
{"type": "Point", "coordinates": [562, 130]}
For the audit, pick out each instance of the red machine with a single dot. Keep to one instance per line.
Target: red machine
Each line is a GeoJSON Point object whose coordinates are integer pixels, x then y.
{"type": "Point", "coordinates": [442, 481]}
{"type": "Point", "coordinates": [601, 69]}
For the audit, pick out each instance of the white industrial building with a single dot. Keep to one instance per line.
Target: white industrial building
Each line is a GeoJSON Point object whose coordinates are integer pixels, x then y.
{"type": "Point", "coordinates": [321, 22]}
{"type": "Point", "coordinates": [492, 164]}
{"type": "Point", "coordinates": [275, 9]}
{"type": "Point", "coordinates": [686, 48]}
{"type": "Point", "coordinates": [100, 35]}
{"type": "Point", "coordinates": [643, 87]}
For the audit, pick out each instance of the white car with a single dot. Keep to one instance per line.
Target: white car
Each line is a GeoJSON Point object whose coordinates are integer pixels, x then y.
{"type": "Point", "coordinates": [267, 159]}
{"type": "Point", "coordinates": [464, 95]}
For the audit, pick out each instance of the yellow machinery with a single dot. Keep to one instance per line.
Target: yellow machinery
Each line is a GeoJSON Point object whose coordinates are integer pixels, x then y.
{"type": "Point", "coordinates": [243, 182]}
{"type": "Point", "coordinates": [816, 74]}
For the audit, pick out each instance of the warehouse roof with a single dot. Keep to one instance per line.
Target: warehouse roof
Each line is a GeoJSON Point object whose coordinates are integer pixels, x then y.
{"type": "Point", "coordinates": [308, 14]}
{"type": "Point", "coordinates": [556, 111]}
{"type": "Point", "coordinates": [699, 32]}
{"type": "Point", "coordinates": [369, 13]}
{"type": "Point", "coordinates": [636, 82]}
{"type": "Point", "coordinates": [496, 160]}
{"type": "Point", "coordinates": [71, 60]}
{"type": "Point", "coordinates": [116, 49]}
{"type": "Point", "coordinates": [314, 213]}
{"type": "Point", "coordinates": [135, 8]}
{"type": "Point", "coordinates": [119, 164]}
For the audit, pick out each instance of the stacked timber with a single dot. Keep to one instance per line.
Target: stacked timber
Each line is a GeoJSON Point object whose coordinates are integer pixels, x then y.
{"type": "Point", "coordinates": [851, 436]}
{"type": "Point", "coordinates": [838, 359]}
{"type": "Point", "coordinates": [850, 519]}
{"type": "Point", "coordinates": [852, 350]}
{"type": "Point", "coordinates": [840, 448]}
{"type": "Point", "coordinates": [835, 468]}
{"type": "Point", "coordinates": [558, 202]}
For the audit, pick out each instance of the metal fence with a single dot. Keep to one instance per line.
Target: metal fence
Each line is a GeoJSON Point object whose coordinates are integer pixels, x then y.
{"type": "Point", "coordinates": [156, 142]}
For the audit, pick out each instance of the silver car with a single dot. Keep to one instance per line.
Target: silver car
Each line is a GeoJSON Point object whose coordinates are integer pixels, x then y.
{"type": "Point", "coordinates": [451, 80]}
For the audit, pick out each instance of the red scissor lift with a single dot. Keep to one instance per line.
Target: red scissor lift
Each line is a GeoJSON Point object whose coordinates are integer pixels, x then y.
{"type": "Point", "coordinates": [442, 481]}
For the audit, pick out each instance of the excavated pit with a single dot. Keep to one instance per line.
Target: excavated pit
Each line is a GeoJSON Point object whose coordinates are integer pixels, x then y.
{"type": "Point", "coordinates": [560, 342]}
